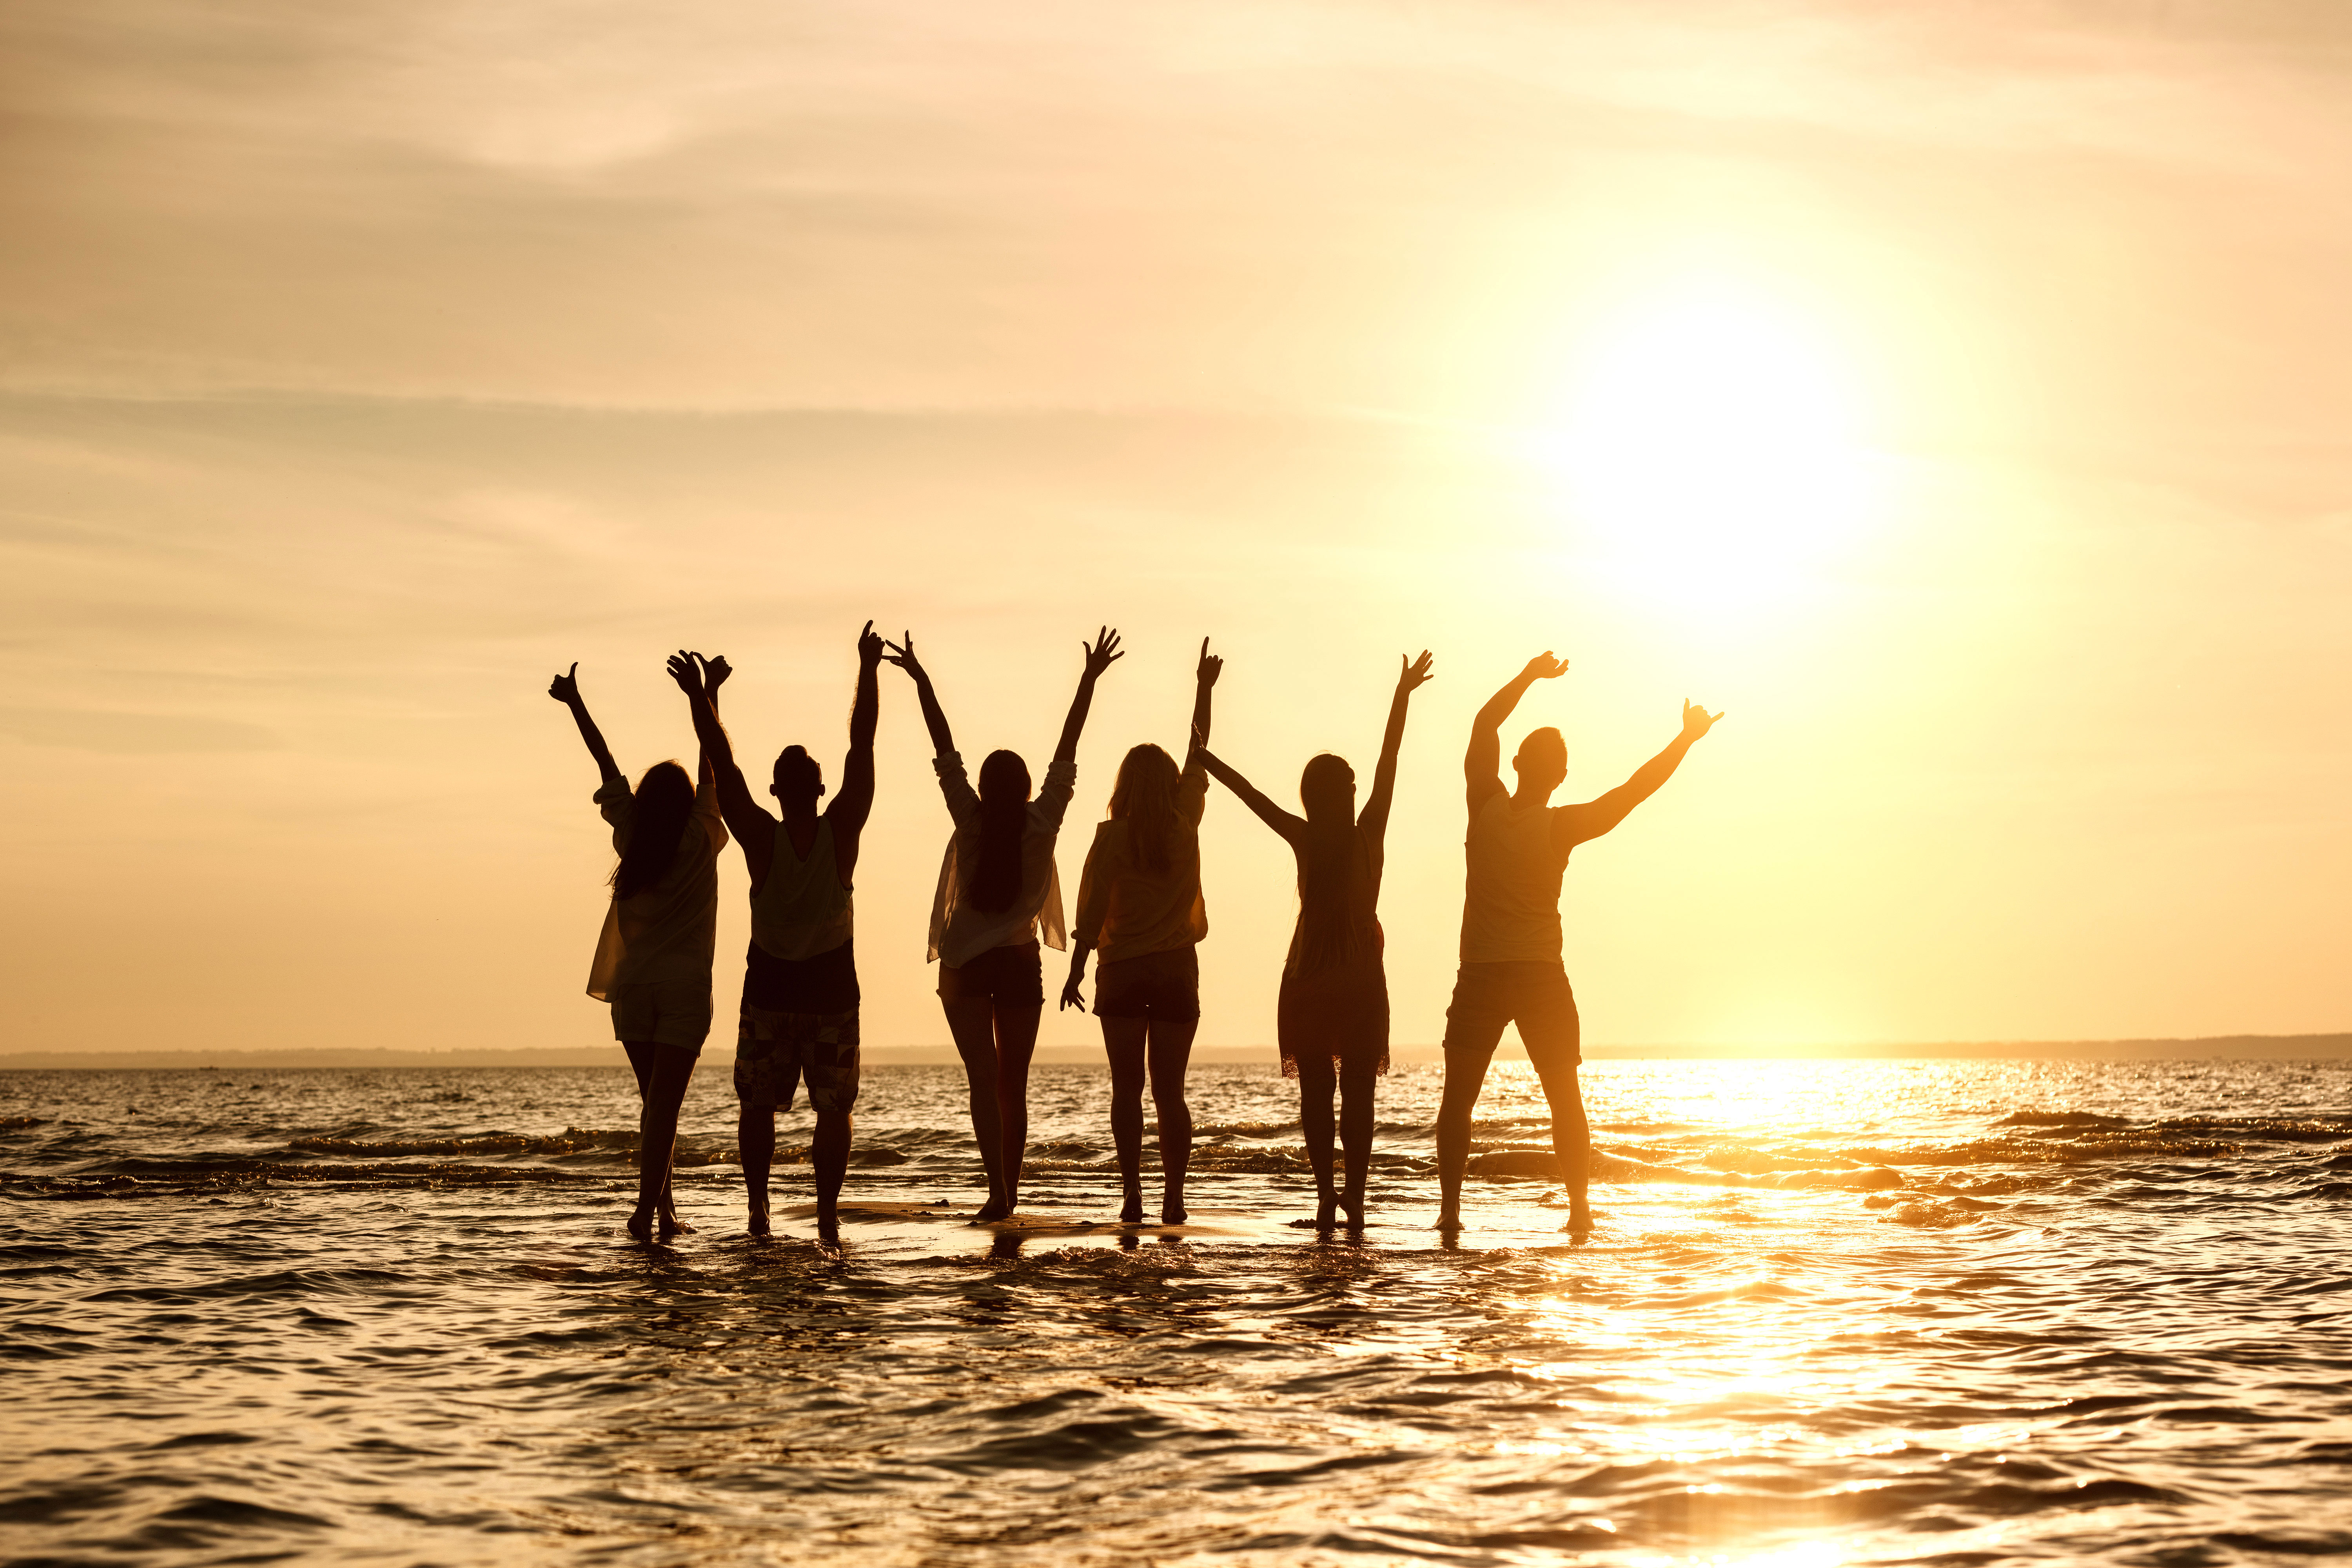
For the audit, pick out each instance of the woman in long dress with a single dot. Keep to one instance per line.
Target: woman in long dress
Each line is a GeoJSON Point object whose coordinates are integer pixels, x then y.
{"type": "Point", "coordinates": [1332, 1021]}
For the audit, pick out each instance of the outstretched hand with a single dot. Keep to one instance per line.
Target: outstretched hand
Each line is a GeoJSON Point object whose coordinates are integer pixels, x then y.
{"type": "Point", "coordinates": [1543, 667]}
{"type": "Point", "coordinates": [1698, 721]}
{"type": "Point", "coordinates": [902, 654]}
{"type": "Point", "coordinates": [1103, 652]}
{"type": "Point", "coordinates": [870, 645]}
{"type": "Point", "coordinates": [1414, 671]}
{"type": "Point", "coordinates": [565, 688]}
{"type": "Point", "coordinates": [1072, 997]}
{"type": "Point", "coordinates": [1211, 665]}
{"type": "Point", "coordinates": [715, 671]}
{"type": "Point", "coordinates": [686, 672]}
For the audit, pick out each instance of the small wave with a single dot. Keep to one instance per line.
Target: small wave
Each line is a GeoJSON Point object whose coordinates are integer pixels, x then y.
{"type": "Point", "coordinates": [8, 1123]}
{"type": "Point", "coordinates": [2062, 1118]}
{"type": "Point", "coordinates": [570, 1140]}
{"type": "Point", "coordinates": [159, 1179]}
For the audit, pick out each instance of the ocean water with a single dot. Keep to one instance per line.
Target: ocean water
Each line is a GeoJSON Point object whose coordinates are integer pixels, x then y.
{"type": "Point", "coordinates": [1953, 1312]}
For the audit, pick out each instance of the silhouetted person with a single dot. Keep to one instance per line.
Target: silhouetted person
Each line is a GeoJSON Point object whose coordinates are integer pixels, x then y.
{"type": "Point", "coordinates": [1518, 852]}
{"type": "Point", "coordinates": [1332, 1021]}
{"type": "Point", "coordinates": [998, 887]}
{"type": "Point", "coordinates": [1140, 902]}
{"type": "Point", "coordinates": [798, 1018]}
{"type": "Point", "coordinates": [652, 958]}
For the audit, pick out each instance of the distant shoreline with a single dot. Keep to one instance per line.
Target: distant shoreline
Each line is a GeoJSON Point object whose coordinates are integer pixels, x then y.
{"type": "Point", "coordinates": [2237, 1047]}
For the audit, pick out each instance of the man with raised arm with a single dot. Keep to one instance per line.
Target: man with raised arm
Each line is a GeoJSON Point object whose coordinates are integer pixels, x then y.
{"type": "Point", "coordinates": [798, 1018]}
{"type": "Point", "coordinates": [1518, 852]}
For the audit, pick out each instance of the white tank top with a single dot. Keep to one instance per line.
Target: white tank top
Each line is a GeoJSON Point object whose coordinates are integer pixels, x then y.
{"type": "Point", "coordinates": [800, 908]}
{"type": "Point", "coordinates": [1511, 905]}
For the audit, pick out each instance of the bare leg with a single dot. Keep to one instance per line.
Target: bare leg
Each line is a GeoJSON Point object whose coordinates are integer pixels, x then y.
{"type": "Point", "coordinates": [662, 1072]}
{"type": "Point", "coordinates": [1123, 1043]}
{"type": "Point", "coordinates": [1357, 1088]}
{"type": "Point", "coordinates": [829, 1153]}
{"type": "Point", "coordinates": [755, 1137]}
{"type": "Point", "coordinates": [1170, 1050]}
{"type": "Point", "coordinates": [1016, 1042]}
{"type": "Point", "coordinates": [1571, 1140]}
{"type": "Point", "coordinates": [969, 1021]}
{"type": "Point", "coordinates": [1315, 1085]}
{"type": "Point", "coordinates": [1465, 1075]}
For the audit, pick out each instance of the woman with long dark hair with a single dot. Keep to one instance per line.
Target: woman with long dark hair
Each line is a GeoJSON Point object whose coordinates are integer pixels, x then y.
{"type": "Point", "coordinates": [999, 895]}
{"type": "Point", "coordinates": [653, 957]}
{"type": "Point", "coordinates": [1332, 1021]}
{"type": "Point", "coordinates": [1140, 902]}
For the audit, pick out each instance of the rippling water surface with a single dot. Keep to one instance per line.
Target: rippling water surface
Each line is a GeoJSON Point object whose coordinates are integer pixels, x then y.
{"type": "Point", "coordinates": [1958, 1312]}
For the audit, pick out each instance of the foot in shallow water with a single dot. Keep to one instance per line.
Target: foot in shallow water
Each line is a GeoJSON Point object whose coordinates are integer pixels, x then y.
{"type": "Point", "coordinates": [992, 1210]}
{"type": "Point", "coordinates": [1580, 1217]}
{"type": "Point", "coordinates": [1449, 1218]}
{"type": "Point", "coordinates": [759, 1224]}
{"type": "Point", "coordinates": [671, 1226]}
{"type": "Point", "coordinates": [828, 1233]}
{"type": "Point", "coordinates": [1131, 1212]}
{"type": "Point", "coordinates": [1172, 1213]}
{"type": "Point", "coordinates": [641, 1222]}
{"type": "Point", "coordinates": [1352, 1210]}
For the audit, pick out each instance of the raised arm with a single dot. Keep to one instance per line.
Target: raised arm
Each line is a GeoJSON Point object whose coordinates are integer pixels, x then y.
{"type": "Point", "coordinates": [565, 689]}
{"type": "Point", "coordinates": [902, 654]}
{"type": "Point", "coordinates": [1374, 818]}
{"type": "Point", "coordinates": [1289, 825]}
{"type": "Point", "coordinates": [1101, 654]}
{"type": "Point", "coordinates": [1483, 766]}
{"type": "Point", "coordinates": [1204, 680]}
{"type": "Point", "coordinates": [855, 800]}
{"type": "Point", "coordinates": [1575, 824]}
{"type": "Point", "coordinates": [753, 828]}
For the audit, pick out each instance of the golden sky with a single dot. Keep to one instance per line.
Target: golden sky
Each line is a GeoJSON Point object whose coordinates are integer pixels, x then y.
{"type": "Point", "coordinates": [1958, 398]}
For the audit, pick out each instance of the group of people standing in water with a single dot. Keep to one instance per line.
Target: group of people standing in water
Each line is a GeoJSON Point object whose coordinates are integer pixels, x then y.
{"type": "Point", "coordinates": [1140, 915]}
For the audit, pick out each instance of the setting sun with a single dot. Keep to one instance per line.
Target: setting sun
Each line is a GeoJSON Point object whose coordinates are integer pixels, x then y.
{"type": "Point", "coordinates": [1714, 431]}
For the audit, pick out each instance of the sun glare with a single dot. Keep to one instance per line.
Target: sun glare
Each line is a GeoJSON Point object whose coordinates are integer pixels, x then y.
{"type": "Point", "coordinates": [1714, 432]}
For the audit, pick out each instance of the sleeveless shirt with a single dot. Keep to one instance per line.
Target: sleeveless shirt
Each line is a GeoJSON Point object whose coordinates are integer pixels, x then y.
{"type": "Point", "coordinates": [801, 908]}
{"type": "Point", "coordinates": [1510, 906]}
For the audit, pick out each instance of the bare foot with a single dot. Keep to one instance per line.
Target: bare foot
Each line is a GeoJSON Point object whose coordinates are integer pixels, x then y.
{"type": "Point", "coordinates": [992, 1210]}
{"type": "Point", "coordinates": [1131, 1213]}
{"type": "Point", "coordinates": [641, 1222]}
{"type": "Point", "coordinates": [1325, 1208]}
{"type": "Point", "coordinates": [759, 1224]}
{"type": "Point", "coordinates": [671, 1226]}
{"type": "Point", "coordinates": [1449, 1218]}
{"type": "Point", "coordinates": [828, 1233]}
{"type": "Point", "coordinates": [1352, 1206]}
{"type": "Point", "coordinates": [1580, 1217]}
{"type": "Point", "coordinates": [1172, 1213]}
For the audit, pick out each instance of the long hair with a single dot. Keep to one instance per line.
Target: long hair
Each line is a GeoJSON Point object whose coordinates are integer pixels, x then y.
{"type": "Point", "coordinates": [1330, 863]}
{"type": "Point", "coordinates": [993, 880]}
{"type": "Point", "coordinates": [1145, 799]}
{"type": "Point", "coordinates": [665, 799]}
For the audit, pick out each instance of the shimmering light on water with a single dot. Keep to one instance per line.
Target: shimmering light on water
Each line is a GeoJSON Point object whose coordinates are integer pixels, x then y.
{"type": "Point", "coordinates": [1833, 1314]}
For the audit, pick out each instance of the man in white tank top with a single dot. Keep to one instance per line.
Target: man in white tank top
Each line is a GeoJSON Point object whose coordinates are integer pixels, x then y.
{"type": "Point", "coordinates": [798, 1022]}
{"type": "Point", "coordinates": [1517, 851]}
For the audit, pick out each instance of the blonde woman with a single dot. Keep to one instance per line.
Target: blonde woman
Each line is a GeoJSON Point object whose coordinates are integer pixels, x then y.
{"type": "Point", "coordinates": [1140, 903]}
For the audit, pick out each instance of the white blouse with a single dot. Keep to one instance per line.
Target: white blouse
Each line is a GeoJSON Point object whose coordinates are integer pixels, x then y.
{"type": "Point", "coordinates": [959, 932]}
